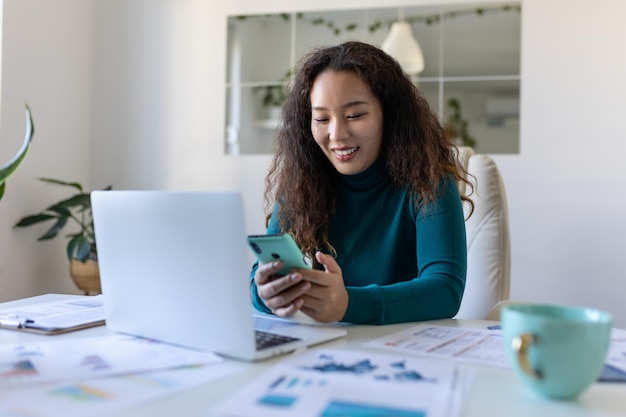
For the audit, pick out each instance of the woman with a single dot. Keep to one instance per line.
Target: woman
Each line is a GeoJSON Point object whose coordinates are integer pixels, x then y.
{"type": "Point", "coordinates": [366, 182]}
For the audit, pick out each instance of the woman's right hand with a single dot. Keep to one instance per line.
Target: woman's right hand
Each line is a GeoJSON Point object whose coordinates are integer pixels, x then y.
{"type": "Point", "coordinates": [281, 294]}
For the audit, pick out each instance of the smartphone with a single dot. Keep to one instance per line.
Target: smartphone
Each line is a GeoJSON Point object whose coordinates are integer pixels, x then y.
{"type": "Point", "coordinates": [278, 247]}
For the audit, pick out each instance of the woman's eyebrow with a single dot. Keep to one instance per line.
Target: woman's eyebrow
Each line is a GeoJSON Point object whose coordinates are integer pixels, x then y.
{"type": "Point", "coordinates": [345, 106]}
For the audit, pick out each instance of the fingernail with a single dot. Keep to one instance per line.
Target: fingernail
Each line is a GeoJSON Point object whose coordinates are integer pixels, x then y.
{"type": "Point", "coordinates": [293, 277]}
{"type": "Point", "coordinates": [275, 264]}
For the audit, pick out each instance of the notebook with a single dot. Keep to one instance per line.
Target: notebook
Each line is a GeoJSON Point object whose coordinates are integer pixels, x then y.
{"type": "Point", "coordinates": [174, 267]}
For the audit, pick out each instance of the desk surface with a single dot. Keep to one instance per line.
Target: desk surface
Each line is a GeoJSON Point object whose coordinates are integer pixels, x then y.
{"type": "Point", "coordinates": [495, 392]}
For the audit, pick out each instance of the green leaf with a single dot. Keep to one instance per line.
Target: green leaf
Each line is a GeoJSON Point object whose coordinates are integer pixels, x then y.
{"type": "Point", "coordinates": [78, 200]}
{"type": "Point", "coordinates": [267, 99]}
{"type": "Point", "coordinates": [78, 248]}
{"type": "Point", "coordinates": [11, 166]}
{"type": "Point", "coordinates": [59, 182]}
{"type": "Point", "coordinates": [83, 251]}
{"type": "Point", "coordinates": [34, 219]}
{"type": "Point", "coordinates": [71, 247]}
{"type": "Point", "coordinates": [54, 230]}
{"type": "Point", "coordinates": [60, 209]}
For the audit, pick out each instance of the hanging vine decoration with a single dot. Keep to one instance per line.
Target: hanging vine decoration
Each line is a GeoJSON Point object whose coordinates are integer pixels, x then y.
{"type": "Point", "coordinates": [378, 24]}
{"type": "Point", "coordinates": [320, 21]}
{"type": "Point", "coordinates": [275, 95]}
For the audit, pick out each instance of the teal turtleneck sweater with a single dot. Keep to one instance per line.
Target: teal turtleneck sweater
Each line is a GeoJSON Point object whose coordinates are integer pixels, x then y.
{"type": "Point", "coordinates": [399, 264]}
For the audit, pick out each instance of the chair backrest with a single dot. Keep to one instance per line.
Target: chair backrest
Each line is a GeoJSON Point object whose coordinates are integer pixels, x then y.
{"type": "Point", "coordinates": [488, 240]}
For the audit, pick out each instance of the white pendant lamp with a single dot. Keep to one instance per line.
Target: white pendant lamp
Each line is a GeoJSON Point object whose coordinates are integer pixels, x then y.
{"type": "Point", "coordinates": [402, 45]}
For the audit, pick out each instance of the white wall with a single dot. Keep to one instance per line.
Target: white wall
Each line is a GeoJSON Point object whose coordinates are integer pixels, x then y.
{"type": "Point", "coordinates": [164, 123]}
{"type": "Point", "coordinates": [47, 61]}
{"type": "Point", "coordinates": [158, 122]}
{"type": "Point", "coordinates": [565, 189]}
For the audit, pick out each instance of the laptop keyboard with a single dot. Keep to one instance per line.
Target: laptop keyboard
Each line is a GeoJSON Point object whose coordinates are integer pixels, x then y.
{"type": "Point", "coordinates": [266, 340]}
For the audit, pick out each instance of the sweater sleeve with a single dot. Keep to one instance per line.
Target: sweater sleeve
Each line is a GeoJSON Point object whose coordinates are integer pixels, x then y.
{"type": "Point", "coordinates": [437, 290]}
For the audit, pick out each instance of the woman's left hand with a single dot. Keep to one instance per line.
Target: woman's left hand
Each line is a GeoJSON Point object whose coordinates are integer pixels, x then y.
{"type": "Point", "coordinates": [327, 299]}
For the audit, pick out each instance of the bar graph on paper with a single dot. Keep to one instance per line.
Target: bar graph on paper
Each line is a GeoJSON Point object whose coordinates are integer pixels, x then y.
{"type": "Point", "coordinates": [334, 383]}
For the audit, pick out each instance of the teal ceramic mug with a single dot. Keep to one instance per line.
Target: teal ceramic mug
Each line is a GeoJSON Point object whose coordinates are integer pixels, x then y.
{"type": "Point", "coordinates": [558, 351]}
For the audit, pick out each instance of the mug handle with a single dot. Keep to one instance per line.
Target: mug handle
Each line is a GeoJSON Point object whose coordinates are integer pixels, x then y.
{"type": "Point", "coordinates": [521, 344]}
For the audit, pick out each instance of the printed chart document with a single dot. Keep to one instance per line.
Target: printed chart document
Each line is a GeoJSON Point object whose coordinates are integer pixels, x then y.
{"type": "Point", "coordinates": [478, 346]}
{"type": "Point", "coordinates": [61, 360]}
{"type": "Point", "coordinates": [616, 358]}
{"type": "Point", "coordinates": [108, 395]}
{"type": "Point", "coordinates": [56, 316]}
{"type": "Point", "coordinates": [483, 347]}
{"type": "Point", "coordinates": [334, 382]}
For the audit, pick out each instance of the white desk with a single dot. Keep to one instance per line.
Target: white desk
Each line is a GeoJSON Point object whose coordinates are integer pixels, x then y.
{"type": "Point", "coordinates": [495, 392]}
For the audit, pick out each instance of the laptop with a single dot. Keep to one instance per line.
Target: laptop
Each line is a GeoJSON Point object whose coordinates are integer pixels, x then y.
{"type": "Point", "coordinates": [174, 267]}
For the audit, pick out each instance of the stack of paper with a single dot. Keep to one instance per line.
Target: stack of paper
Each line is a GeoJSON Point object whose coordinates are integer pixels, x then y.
{"type": "Point", "coordinates": [97, 375]}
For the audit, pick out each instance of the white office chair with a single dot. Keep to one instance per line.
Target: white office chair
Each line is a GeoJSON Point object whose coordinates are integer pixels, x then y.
{"type": "Point", "coordinates": [488, 241]}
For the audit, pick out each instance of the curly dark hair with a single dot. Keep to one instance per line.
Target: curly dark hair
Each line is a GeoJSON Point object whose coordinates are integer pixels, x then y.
{"type": "Point", "coordinates": [415, 151]}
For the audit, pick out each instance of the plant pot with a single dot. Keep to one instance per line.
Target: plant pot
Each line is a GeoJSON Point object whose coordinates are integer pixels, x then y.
{"type": "Point", "coordinates": [86, 276]}
{"type": "Point", "coordinates": [275, 113]}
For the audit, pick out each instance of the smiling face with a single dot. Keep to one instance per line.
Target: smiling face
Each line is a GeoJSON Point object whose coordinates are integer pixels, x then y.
{"type": "Point", "coordinates": [346, 120]}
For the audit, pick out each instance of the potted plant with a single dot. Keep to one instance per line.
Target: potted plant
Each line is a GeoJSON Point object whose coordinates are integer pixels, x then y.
{"type": "Point", "coordinates": [274, 97]}
{"type": "Point", "coordinates": [10, 167]}
{"type": "Point", "coordinates": [456, 127]}
{"type": "Point", "coordinates": [81, 247]}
